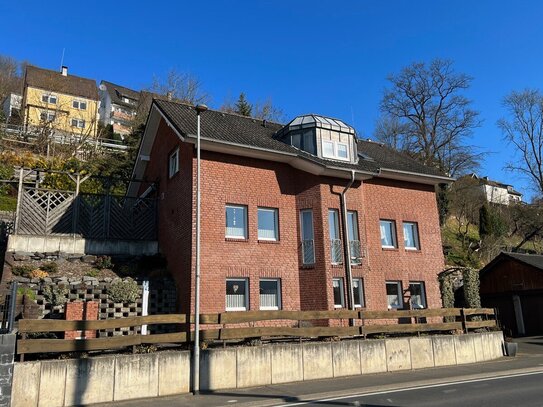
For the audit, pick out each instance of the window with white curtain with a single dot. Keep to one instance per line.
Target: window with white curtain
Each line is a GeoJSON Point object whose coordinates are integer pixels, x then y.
{"type": "Point", "coordinates": [268, 224]}
{"type": "Point", "coordinates": [388, 233]}
{"type": "Point", "coordinates": [411, 236]}
{"type": "Point", "coordinates": [339, 297]}
{"type": "Point", "coordinates": [358, 292]}
{"type": "Point", "coordinates": [237, 294]}
{"type": "Point", "coordinates": [270, 294]}
{"type": "Point", "coordinates": [236, 222]}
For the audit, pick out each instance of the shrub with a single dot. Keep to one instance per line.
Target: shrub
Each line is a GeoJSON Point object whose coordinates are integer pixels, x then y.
{"type": "Point", "coordinates": [93, 273]}
{"type": "Point", "coordinates": [103, 262]}
{"type": "Point", "coordinates": [27, 291]}
{"type": "Point", "coordinates": [55, 295]}
{"type": "Point", "coordinates": [38, 273]}
{"type": "Point", "coordinates": [22, 271]}
{"type": "Point", "coordinates": [124, 291]}
{"type": "Point", "coordinates": [50, 267]}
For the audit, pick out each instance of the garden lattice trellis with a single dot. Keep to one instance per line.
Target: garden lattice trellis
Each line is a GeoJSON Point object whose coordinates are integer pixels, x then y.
{"type": "Point", "coordinates": [95, 216]}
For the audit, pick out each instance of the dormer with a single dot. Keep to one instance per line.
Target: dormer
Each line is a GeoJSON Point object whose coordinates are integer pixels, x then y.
{"type": "Point", "coordinates": [322, 137]}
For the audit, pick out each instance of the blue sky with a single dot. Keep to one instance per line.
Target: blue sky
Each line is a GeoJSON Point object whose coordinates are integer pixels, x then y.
{"type": "Point", "coordinates": [327, 57]}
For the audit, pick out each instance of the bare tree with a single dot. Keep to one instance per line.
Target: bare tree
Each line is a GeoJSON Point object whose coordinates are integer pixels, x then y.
{"type": "Point", "coordinates": [426, 114]}
{"type": "Point", "coordinates": [10, 78]}
{"type": "Point", "coordinates": [181, 86]}
{"type": "Point", "coordinates": [523, 129]}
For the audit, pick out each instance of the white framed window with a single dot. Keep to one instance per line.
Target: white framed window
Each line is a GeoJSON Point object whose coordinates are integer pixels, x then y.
{"type": "Point", "coordinates": [79, 104]}
{"type": "Point", "coordinates": [388, 234]}
{"type": "Point", "coordinates": [335, 149]}
{"type": "Point", "coordinates": [236, 222]}
{"type": "Point", "coordinates": [307, 235]}
{"type": "Point", "coordinates": [268, 224]}
{"type": "Point", "coordinates": [270, 294]}
{"type": "Point", "coordinates": [79, 123]}
{"type": "Point", "coordinates": [237, 294]}
{"type": "Point", "coordinates": [418, 294]}
{"type": "Point", "coordinates": [47, 116]}
{"type": "Point", "coordinates": [336, 249]}
{"type": "Point", "coordinates": [48, 98]}
{"type": "Point", "coordinates": [173, 163]}
{"type": "Point", "coordinates": [411, 236]}
{"type": "Point", "coordinates": [394, 294]}
{"type": "Point", "coordinates": [358, 292]}
{"type": "Point", "coordinates": [354, 238]}
{"type": "Point", "coordinates": [339, 293]}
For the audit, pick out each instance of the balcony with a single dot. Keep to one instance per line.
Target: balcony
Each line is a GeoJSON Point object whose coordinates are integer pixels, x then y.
{"type": "Point", "coordinates": [308, 251]}
{"type": "Point", "coordinates": [336, 251]}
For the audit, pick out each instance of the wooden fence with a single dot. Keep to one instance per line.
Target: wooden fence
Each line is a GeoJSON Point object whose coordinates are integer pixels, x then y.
{"type": "Point", "coordinates": [463, 321]}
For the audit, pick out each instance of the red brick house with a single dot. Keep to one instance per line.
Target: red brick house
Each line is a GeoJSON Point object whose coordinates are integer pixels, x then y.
{"type": "Point", "coordinates": [271, 225]}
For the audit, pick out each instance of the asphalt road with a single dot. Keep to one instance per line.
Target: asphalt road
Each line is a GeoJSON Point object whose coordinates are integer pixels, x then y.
{"type": "Point", "coordinates": [524, 389]}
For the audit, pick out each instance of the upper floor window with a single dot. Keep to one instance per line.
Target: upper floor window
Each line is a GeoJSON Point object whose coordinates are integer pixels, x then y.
{"type": "Point", "coordinates": [47, 116]}
{"type": "Point", "coordinates": [308, 243]}
{"type": "Point", "coordinates": [304, 141]}
{"type": "Point", "coordinates": [388, 234]}
{"type": "Point", "coordinates": [411, 236]}
{"type": "Point", "coordinates": [173, 163]}
{"type": "Point", "coordinates": [335, 149]}
{"type": "Point", "coordinates": [268, 225]}
{"type": "Point", "coordinates": [354, 239]}
{"type": "Point", "coordinates": [79, 104]}
{"type": "Point", "coordinates": [48, 98]}
{"type": "Point", "coordinates": [79, 123]}
{"type": "Point", "coordinates": [336, 248]}
{"type": "Point", "coordinates": [236, 221]}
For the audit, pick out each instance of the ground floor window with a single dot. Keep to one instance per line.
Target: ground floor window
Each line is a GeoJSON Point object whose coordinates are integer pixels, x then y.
{"type": "Point", "coordinates": [339, 298]}
{"type": "Point", "coordinates": [418, 294]}
{"type": "Point", "coordinates": [358, 292]}
{"type": "Point", "coordinates": [394, 294]}
{"type": "Point", "coordinates": [237, 294]}
{"type": "Point", "coordinates": [270, 294]}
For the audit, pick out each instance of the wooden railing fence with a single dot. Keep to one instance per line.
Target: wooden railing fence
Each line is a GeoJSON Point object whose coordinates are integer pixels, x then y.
{"type": "Point", "coordinates": [464, 320]}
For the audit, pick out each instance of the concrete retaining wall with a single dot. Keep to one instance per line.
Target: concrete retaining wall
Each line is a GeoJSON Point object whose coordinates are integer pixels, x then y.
{"type": "Point", "coordinates": [123, 377]}
{"type": "Point", "coordinates": [67, 244]}
{"type": "Point", "coordinates": [58, 383]}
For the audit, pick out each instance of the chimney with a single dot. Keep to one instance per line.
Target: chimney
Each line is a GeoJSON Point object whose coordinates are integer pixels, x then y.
{"type": "Point", "coordinates": [169, 95]}
{"type": "Point", "coordinates": [64, 70]}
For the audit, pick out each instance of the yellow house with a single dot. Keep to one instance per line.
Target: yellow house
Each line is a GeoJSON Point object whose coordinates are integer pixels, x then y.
{"type": "Point", "coordinates": [65, 103]}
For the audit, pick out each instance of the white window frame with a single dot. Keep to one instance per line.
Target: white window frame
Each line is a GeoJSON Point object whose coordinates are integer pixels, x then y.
{"type": "Point", "coordinates": [415, 229]}
{"type": "Point", "coordinates": [49, 116]}
{"type": "Point", "coordinates": [278, 296]}
{"type": "Point", "coordinates": [392, 224]}
{"type": "Point", "coordinates": [79, 103]}
{"type": "Point", "coordinates": [302, 212]}
{"type": "Point", "coordinates": [245, 231]}
{"type": "Point", "coordinates": [275, 212]}
{"type": "Point", "coordinates": [245, 281]}
{"type": "Point", "coordinates": [398, 285]}
{"type": "Point", "coordinates": [359, 302]}
{"type": "Point", "coordinates": [79, 123]}
{"type": "Point", "coordinates": [49, 97]}
{"type": "Point", "coordinates": [423, 293]}
{"type": "Point", "coordinates": [341, 291]}
{"type": "Point", "coordinates": [173, 162]}
{"type": "Point", "coordinates": [335, 154]}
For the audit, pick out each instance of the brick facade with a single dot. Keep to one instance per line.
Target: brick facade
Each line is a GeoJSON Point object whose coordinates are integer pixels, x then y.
{"type": "Point", "coordinates": [229, 179]}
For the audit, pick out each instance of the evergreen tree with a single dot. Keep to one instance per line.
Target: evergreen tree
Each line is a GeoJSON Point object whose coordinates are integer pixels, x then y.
{"type": "Point", "coordinates": [243, 107]}
{"type": "Point", "coordinates": [485, 222]}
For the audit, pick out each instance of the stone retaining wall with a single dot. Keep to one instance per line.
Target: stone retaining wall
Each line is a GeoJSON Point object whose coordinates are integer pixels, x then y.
{"type": "Point", "coordinates": [59, 383]}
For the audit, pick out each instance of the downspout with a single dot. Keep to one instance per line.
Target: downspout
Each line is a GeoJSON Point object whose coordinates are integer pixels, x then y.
{"type": "Point", "coordinates": [346, 248]}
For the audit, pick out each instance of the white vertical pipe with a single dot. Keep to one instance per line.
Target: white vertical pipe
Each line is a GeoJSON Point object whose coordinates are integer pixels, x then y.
{"type": "Point", "coordinates": [145, 304]}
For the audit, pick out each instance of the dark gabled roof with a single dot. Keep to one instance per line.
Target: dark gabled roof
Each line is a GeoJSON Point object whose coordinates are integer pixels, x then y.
{"type": "Point", "coordinates": [252, 133]}
{"type": "Point", "coordinates": [116, 92]}
{"type": "Point", "coordinates": [487, 181]}
{"type": "Point", "coordinates": [56, 82]}
{"type": "Point", "coordinates": [534, 260]}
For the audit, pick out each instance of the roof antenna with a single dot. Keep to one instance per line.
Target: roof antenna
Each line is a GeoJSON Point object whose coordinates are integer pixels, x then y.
{"type": "Point", "coordinates": [62, 59]}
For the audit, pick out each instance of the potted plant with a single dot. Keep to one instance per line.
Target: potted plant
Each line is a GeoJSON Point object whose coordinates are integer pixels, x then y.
{"type": "Point", "coordinates": [511, 347]}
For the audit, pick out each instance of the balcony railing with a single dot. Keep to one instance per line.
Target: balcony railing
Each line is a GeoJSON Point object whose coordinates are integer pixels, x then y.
{"type": "Point", "coordinates": [308, 251]}
{"type": "Point", "coordinates": [336, 251]}
{"type": "Point", "coordinates": [355, 251]}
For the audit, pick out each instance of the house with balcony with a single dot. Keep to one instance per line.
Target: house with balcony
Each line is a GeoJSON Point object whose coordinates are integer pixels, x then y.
{"type": "Point", "coordinates": [64, 103]}
{"type": "Point", "coordinates": [118, 107]}
{"type": "Point", "coordinates": [302, 216]}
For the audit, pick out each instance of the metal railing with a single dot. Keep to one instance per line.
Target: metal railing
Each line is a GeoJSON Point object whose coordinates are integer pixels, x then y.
{"type": "Point", "coordinates": [355, 251]}
{"type": "Point", "coordinates": [336, 251]}
{"type": "Point", "coordinates": [308, 251]}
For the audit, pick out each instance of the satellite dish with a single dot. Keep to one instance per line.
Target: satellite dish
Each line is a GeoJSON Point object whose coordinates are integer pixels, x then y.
{"type": "Point", "coordinates": [102, 87]}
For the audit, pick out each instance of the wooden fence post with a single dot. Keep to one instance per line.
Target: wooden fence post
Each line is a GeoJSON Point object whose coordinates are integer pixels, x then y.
{"type": "Point", "coordinates": [463, 316]}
